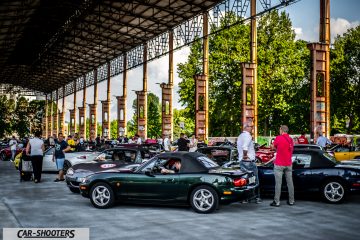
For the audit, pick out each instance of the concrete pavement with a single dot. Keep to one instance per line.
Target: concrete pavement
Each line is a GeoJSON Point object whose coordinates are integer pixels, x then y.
{"type": "Point", "coordinates": [50, 204]}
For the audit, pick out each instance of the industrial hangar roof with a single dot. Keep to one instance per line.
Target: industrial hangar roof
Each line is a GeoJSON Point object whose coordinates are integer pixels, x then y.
{"type": "Point", "coordinates": [45, 44]}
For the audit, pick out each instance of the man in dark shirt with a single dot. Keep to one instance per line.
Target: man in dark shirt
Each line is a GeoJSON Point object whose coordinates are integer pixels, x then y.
{"type": "Point", "coordinates": [183, 144]}
{"type": "Point", "coordinates": [61, 146]}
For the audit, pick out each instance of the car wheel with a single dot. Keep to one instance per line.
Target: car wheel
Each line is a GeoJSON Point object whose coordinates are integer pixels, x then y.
{"type": "Point", "coordinates": [3, 156]}
{"type": "Point", "coordinates": [204, 199]}
{"type": "Point", "coordinates": [67, 165]}
{"type": "Point", "coordinates": [102, 196]}
{"type": "Point", "coordinates": [333, 191]}
{"type": "Point", "coordinates": [74, 190]}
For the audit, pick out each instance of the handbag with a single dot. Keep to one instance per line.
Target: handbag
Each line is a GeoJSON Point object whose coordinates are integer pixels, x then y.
{"type": "Point", "coordinates": [26, 166]}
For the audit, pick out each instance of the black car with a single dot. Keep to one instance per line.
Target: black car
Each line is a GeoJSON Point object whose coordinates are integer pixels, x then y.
{"type": "Point", "coordinates": [120, 159]}
{"type": "Point", "coordinates": [220, 154]}
{"type": "Point", "coordinates": [314, 170]}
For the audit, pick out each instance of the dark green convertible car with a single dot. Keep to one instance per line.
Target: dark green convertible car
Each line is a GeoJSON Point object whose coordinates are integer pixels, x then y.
{"type": "Point", "coordinates": [176, 178]}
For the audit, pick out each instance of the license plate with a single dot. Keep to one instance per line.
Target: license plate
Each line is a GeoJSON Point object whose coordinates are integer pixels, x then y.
{"type": "Point", "coordinates": [252, 180]}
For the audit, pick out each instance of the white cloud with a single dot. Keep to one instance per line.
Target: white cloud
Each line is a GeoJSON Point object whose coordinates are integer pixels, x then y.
{"type": "Point", "coordinates": [338, 26]}
{"type": "Point", "coordinates": [298, 31]}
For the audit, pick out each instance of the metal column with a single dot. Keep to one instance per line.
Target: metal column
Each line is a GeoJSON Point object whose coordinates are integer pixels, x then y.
{"type": "Point", "coordinates": [82, 113]}
{"type": "Point", "coordinates": [73, 114]}
{"type": "Point", "coordinates": [92, 111]}
{"type": "Point", "coordinates": [106, 108]}
{"type": "Point", "coordinates": [62, 114]}
{"type": "Point", "coordinates": [202, 89]}
{"type": "Point", "coordinates": [142, 101]}
{"type": "Point", "coordinates": [249, 78]}
{"type": "Point", "coordinates": [46, 117]}
{"type": "Point", "coordinates": [121, 104]}
{"type": "Point", "coordinates": [167, 94]}
{"type": "Point", "coordinates": [56, 117]}
{"type": "Point", "coordinates": [51, 118]}
{"type": "Point", "coordinates": [320, 76]}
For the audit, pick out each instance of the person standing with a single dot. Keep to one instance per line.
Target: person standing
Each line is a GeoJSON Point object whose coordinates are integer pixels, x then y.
{"type": "Point", "coordinates": [35, 149]}
{"type": "Point", "coordinates": [167, 145]}
{"type": "Point", "coordinates": [322, 140]}
{"type": "Point", "coordinates": [13, 144]}
{"type": "Point", "coordinates": [302, 139]}
{"type": "Point", "coordinates": [61, 146]}
{"type": "Point", "coordinates": [284, 145]}
{"type": "Point", "coordinates": [183, 144]}
{"type": "Point", "coordinates": [246, 151]}
{"type": "Point", "coordinates": [193, 143]}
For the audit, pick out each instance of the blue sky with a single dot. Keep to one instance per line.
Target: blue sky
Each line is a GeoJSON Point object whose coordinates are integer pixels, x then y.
{"type": "Point", "coordinates": [304, 15]}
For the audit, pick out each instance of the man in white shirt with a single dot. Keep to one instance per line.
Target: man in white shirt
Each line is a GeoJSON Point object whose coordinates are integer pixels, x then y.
{"type": "Point", "coordinates": [167, 145]}
{"type": "Point", "coordinates": [12, 144]}
{"type": "Point", "coordinates": [246, 150]}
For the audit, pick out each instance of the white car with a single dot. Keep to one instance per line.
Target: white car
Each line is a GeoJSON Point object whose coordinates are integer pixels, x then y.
{"type": "Point", "coordinates": [71, 159]}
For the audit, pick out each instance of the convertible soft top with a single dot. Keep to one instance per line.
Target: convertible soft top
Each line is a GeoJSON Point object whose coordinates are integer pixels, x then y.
{"type": "Point", "coordinates": [189, 162]}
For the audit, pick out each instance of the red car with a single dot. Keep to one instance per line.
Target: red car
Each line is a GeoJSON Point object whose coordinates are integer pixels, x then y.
{"type": "Point", "coordinates": [5, 153]}
{"type": "Point", "coordinates": [263, 154]}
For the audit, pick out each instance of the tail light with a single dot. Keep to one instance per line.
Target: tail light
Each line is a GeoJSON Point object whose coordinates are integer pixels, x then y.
{"type": "Point", "coordinates": [239, 182]}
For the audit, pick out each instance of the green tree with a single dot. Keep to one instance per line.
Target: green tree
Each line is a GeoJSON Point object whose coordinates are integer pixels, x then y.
{"type": "Point", "coordinates": [113, 129]}
{"type": "Point", "coordinates": [345, 82]}
{"type": "Point", "coordinates": [21, 120]}
{"type": "Point", "coordinates": [154, 116]}
{"type": "Point", "coordinates": [189, 125]}
{"type": "Point", "coordinates": [6, 110]}
{"type": "Point", "coordinates": [36, 111]}
{"type": "Point", "coordinates": [282, 71]}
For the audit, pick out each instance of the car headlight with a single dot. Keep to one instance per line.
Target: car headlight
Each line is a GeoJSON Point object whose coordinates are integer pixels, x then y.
{"type": "Point", "coordinates": [83, 180]}
{"type": "Point", "coordinates": [70, 171]}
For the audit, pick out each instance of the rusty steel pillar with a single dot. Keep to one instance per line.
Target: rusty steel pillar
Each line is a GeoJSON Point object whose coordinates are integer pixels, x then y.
{"type": "Point", "coordinates": [121, 104]}
{"type": "Point", "coordinates": [320, 76]}
{"type": "Point", "coordinates": [202, 89]}
{"type": "Point", "coordinates": [106, 108]}
{"type": "Point", "coordinates": [92, 111]}
{"type": "Point", "coordinates": [82, 113]}
{"type": "Point", "coordinates": [62, 114]}
{"type": "Point", "coordinates": [73, 114]}
{"type": "Point", "coordinates": [56, 116]}
{"type": "Point", "coordinates": [46, 117]}
{"type": "Point", "coordinates": [142, 101]}
{"type": "Point", "coordinates": [51, 117]}
{"type": "Point", "coordinates": [249, 78]}
{"type": "Point", "coordinates": [167, 94]}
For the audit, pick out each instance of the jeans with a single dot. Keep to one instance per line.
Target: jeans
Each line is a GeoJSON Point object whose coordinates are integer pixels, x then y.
{"type": "Point", "coordinates": [37, 162]}
{"type": "Point", "coordinates": [13, 154]}
{"type": "Point", "coordinates": [278, 172]}
{"type": "Point", "coordinates": [251, 166]}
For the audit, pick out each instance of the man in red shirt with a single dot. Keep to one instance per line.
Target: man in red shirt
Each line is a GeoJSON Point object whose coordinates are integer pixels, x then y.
{"type": "Point", "coordinates": [284, 146]}
{"type": "Point", "coordinates": [302, 139]}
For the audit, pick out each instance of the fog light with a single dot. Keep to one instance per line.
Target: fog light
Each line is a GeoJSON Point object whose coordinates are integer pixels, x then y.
{"type": "Point", "coordinates": [227, 192]}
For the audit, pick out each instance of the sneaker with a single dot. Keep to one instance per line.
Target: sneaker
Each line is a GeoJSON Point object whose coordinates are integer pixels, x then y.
{"type": "Point", "coordinates": [258, 200]}
{"type": "Point", "coordinates": [290, 203]}
{"type": "Point", "coordinates": [245, 201]}
{"type": "Point", "coordinates": [274, 204]}
{"type": "Point", "coordinates": [62, 180]}
{"type": "Point", "coordinates": [57, 180]}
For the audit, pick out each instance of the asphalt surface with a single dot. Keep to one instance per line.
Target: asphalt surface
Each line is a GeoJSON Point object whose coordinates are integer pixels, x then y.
{"type": "Point", "coordinates": [50, 204]}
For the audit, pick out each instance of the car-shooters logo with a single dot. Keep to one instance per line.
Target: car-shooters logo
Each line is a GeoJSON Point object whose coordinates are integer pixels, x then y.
{"type": "Point", "coordinates": [46, 233]}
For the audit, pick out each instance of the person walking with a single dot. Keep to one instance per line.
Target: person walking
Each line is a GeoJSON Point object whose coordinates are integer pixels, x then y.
{"type": "Point", "coordinates": [35, 149]}
{"type": "Point", "coordinates": [246, 152]}
{"type": "Point", "coordinates": [13, 144]}
{"type": "Point", "coordinates": [61, 146]}
{"type": "Point", "coordinates": [284, 145]}
{"type": "Point", "coordinates": [302, 139]}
